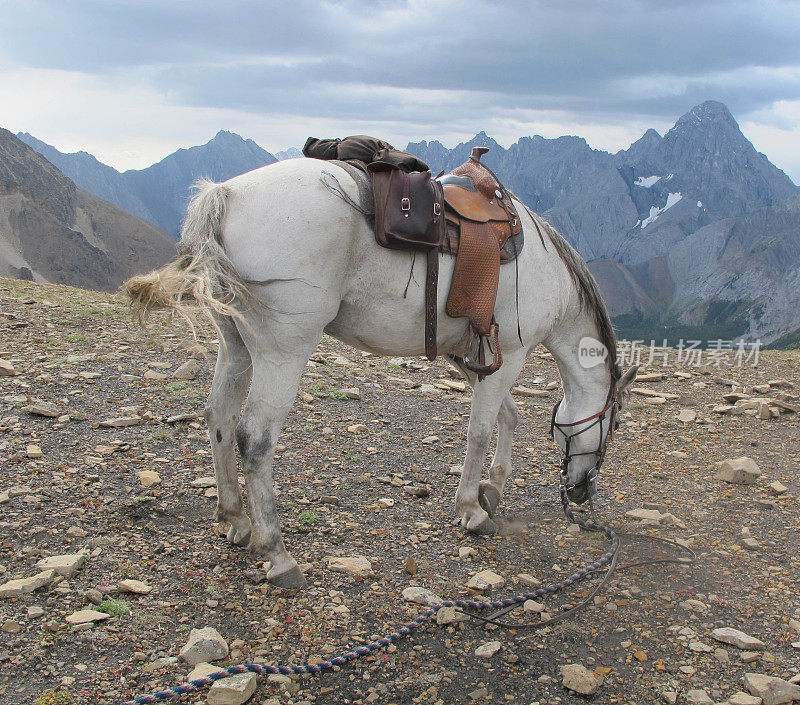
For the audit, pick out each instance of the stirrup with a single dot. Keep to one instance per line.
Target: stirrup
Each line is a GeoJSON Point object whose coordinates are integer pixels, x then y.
{"type": "Point", "coordinates": [479, 367]}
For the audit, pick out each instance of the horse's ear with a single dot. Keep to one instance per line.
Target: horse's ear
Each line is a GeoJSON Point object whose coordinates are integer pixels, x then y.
{"type": "Point", "coordinates": [627, 379]}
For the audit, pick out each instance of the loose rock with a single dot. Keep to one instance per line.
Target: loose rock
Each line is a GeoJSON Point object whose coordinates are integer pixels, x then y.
{"type": "Point", "coordinates": [204, 644]}
{"type": "Point", "coordinates": [489, 649]}
{"type": "Point", "coordinates": [486, 580]}
{"type": "Point", "coordinates": [579, 679]}
{"type": "Point", "coordinates": [67, 565]}
{"type": "Point", "coordinates": [232, 691]}
{"type": "Point", "coordinates": [740, 640]}
{"type": "Point", "coordinates": [87, 616]}
{"type": "Point", "coordinates": [739, 471]}
{"type": "Point", "coordinates": [357, 566]}
{"type": "Point", "coordinates": [771, 690]}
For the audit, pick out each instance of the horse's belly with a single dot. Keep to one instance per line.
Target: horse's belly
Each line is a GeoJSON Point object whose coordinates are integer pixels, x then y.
{"type": "Point", "coordinates": [383, 310]}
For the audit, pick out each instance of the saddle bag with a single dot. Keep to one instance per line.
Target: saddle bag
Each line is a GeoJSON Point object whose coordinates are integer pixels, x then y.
{"type": "Point", "coordinates": [409, 208]}
{"type": "Point", "coordinates": [409, 214]}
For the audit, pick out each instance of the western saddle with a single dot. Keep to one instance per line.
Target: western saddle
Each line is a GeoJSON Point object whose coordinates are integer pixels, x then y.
{"type": "Point", "coordinates": [467, 213]}
{"type": "Point", "coordinates": [481, 222]}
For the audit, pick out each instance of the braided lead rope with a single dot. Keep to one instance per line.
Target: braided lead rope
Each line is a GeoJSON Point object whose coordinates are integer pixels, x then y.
{"type": "Point", "coordinates": [404, 631]}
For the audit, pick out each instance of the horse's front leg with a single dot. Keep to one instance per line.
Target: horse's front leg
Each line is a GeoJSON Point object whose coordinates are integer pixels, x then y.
{"type": "Point", "coordinates": [490, 492]}
{"type": "Point", "coordinates": [487, 399]}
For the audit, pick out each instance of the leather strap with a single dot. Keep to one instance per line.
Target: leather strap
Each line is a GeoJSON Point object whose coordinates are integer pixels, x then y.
{"type": "Point", "coordinates": [431, 286]}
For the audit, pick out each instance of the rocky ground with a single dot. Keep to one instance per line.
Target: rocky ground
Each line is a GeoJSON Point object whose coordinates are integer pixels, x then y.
{"type": "Point", "coordinates": [105, 459]}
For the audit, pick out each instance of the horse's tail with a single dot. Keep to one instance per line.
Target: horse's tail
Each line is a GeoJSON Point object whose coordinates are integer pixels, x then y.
{"type": "Point", "coordinates": [202, 276]}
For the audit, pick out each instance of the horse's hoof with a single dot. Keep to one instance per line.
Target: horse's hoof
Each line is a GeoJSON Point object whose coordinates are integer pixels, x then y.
{"type": "Point", "coordinates": [292, 579]}
{"type": "Point", "coordinates": [488, 497]}
{"type": "Point", "coordinates": [486, 528]}
{"type": "Point", "coordinates": [238, 538]}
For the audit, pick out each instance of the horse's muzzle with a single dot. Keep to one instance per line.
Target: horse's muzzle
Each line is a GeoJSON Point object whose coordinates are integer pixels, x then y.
{"type": "Point", "coordinates": [581, 492]}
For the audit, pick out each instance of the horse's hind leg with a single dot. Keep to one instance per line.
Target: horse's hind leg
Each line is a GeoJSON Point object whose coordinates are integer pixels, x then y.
{"type": "Point", "coordinates": [279, 346]}
{"type": "Point", "coordinates": [491, 492]}
{"type": "Point", "coordinates": [223, 409]}
{"type": "Point", "coordinates": [487, 398]}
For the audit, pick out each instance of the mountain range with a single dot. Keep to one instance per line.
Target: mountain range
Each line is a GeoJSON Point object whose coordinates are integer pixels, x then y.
{"type": "Point", "coordinates": [160, 192]}
{"type": "Point", "coordinates": [690, 234]}
{"type": "Point", "coordinates": [51, 230]}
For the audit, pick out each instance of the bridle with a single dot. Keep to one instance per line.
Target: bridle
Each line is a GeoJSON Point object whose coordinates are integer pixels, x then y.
{"type": "Point", "coordinates": [611, 408]}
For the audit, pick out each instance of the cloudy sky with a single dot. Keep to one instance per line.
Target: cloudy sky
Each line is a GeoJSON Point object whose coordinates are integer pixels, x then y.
{"type": "Point", "coordinates": [132, 80]}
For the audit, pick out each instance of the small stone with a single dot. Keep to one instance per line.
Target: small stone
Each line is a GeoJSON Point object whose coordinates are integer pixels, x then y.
{"type": "Point", "coordinates": [486, 580]}
{"type": "Point", "coordinates": [136, 587]}
{"type": "Point", "coordinates": [778, 488]}
{"type": "Point", "coordinates": [489, 649]}
{"type": "Point", "coordinates": [740, 640]}
{"type": "Point", "coordinates": [644, 514]}
{"type": "Point", "coordinates": [37, 407]}
{"type": "Point", "coordinates": [6, 368]}
{"type": "Point", "coordinates": [357, 428]}
{"type": "Point", "coordinates": [87, 617]}
{"type": "Point", "coordinates": [232, 691]}
{"type": "Point", "coordinates": [203, 482]}
{"type": "Point", "coordinates": [533, 606]}
{"type": "Point", "coordinates": [386, 502]}
{"type": "Point", "coordinates": [699, 647]}
{"type": "Point", "coordinates": [466, 551]}
{"type": "Point", "coordinates": [34, 452]}
{"type": "Point", "coordinates": [421, 596]}
{"type": "Point", "coordinates": [11, 627]}
{"type": "Point", "coordinates": [429, 440]}
{"type": "Point", "coordinates": [521, 391]}
{"type": "Point", "coordinates": [411, 565]}
{"type": "Point", "coordinates": [352, 393]}
{"type": "Point", "coordinates": [742, 698]}
{"type": "Point", "coordinates": [154, 376]}
{"type": "Point", "coordinates": [204, 644]}
{"type": "Point", "coordinates": [149, 478]}
{"type": "Point", "coordinates": [740, 471]}
{"type": "Point", "coordinates": [121, 422]}
{"type": "Point", "coordinates": [419, 491]}
{"type": "Point", "coordinates": [77, 532]}
{"type": "Point", "coordinates": [357, 566]}
{"type": "Point", "coordinates": [771, 690]}
{"type": "Point", "coordinates": [579, 679]}
{"type": "Point", "coordinates": [670, 697]}
{"type": "Point", "coordinates": [67, 565]}
{"type": "Point", "coordinates": [687, 415]}
{"type": "Point", "coordinates": [449, 615]}
{"type": "Point", "coordinates": [528, 580]}
{"type": "Point", "coordinates": [34, 612]}
{"type": "Point", "coordinates": [188, 370]}
{"type": "Point", "coordinates": [698, 697]}
{"type": "Point", "coordinates": [201, 670]}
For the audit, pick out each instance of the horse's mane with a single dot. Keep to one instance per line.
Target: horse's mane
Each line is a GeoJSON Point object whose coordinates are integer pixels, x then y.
{"type": "Point", "coordinates": [589, 296]}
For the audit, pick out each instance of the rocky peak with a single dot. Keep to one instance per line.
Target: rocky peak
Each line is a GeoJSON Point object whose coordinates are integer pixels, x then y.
{"type": "Point", "coordinates": [22, 170]}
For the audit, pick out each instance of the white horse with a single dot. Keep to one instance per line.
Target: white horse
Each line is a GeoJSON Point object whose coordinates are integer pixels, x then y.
{"type": "Point", "coordinates": [278, 258]}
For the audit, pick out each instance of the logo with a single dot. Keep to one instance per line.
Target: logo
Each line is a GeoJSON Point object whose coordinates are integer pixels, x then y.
{"type": "Point", "coordinates": [591, 353]}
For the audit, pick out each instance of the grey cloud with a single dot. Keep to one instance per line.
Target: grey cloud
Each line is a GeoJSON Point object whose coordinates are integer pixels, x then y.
{"type": "Point", "coordinates": [598, 59]}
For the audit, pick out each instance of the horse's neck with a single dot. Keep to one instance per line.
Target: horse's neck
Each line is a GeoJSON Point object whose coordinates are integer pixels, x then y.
{"type": "Point", "coordinates": [585, 390]}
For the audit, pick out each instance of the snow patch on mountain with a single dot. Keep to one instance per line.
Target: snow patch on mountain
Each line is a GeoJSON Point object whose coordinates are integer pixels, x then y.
{"type": "Point", "coordinates": [646, 181]}
{"type": "Point", "coordinates": [655, 211]}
